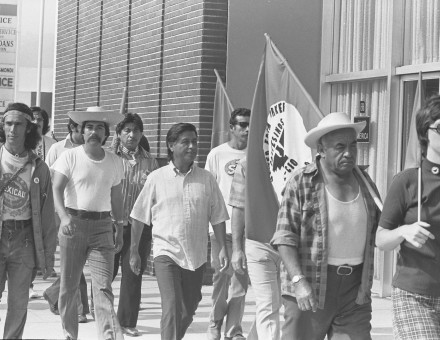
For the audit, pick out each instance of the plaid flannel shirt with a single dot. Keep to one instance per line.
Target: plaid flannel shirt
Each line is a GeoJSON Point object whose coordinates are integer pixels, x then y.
{"type": "Point", "coordinates": [303, 223]}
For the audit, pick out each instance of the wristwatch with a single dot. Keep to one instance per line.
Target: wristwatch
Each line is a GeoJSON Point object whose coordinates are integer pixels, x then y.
{"type": "Point", "coordinates": [297, 278]}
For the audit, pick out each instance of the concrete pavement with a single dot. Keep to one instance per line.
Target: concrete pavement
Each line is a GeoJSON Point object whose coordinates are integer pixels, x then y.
{"type": "Point", "coordinates": [42, 324]}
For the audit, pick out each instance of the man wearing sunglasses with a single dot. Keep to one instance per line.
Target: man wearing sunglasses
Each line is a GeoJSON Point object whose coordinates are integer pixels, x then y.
{"type": "Point", "coordinates": [229, 291]}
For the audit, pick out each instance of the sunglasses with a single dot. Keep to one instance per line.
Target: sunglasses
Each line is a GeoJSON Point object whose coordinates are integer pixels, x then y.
{"type": "Point", "coordinates": [242, 124]}
{"type": "Point", "coordinates": [435, 128]}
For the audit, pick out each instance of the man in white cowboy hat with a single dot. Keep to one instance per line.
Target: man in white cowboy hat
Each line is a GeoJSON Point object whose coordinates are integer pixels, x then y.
{"type": "Point", "coordinates": [325, 236]}
{"type": "Point", "coordinates": [87, 195]}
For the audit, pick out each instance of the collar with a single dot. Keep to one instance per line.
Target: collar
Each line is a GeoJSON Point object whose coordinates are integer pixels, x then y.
{"type": "Point", "coordinates": [431, 167]}
{"type": "Point", "coordinates": [177, 172]}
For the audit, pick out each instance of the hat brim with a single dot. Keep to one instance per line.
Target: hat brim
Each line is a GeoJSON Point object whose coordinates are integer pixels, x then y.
{"type": "Point", "coordinates": [110, 117]}
{"type": "Point", "coordinates": [317, 132]}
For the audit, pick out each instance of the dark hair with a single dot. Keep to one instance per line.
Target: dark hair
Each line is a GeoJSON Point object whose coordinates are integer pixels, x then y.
{"type": "Point", "coordinates": [45, 118]}
{"type": "Point", "coordinates": [130, 118]}
{"type": "Point", "coordinates": [239, 112]}
{"type": "Point", "coordinates": [106, 126]}
{"type": "Point", "coordinates": [427, 115]}
{"type": "Point", "coordinates": [71, 122]}
{"type": "Point", "coordinates": [32, 136]}
{"type": "Point", "coordinates": [174, 133]}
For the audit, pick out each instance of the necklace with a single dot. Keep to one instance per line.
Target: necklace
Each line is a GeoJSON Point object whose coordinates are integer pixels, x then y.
{"type": "Point", "coordinates": [17, 155]}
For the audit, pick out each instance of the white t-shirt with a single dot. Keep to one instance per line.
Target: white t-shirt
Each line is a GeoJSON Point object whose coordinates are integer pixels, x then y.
{"type": "Point", "coordinates": [16, 199]}
{"type": "Point", "coordinates": [221, 162]}
{"type": "Point", "coordinates": [90, 181]}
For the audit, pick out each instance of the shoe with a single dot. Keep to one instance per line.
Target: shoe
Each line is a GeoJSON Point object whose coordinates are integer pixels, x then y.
{"type": "Point", "coordinates": [52, 306]}
{"type": "Point", "coordinates": [54, 274]}
{"type": "Point", "coordinates": [92, 312]}
{"type": "Point", "coordinates": [82, 318]}
{"type": "Point", "coordinates": [214, 330]}
{"type": "Point", "coordinates": [130, 331]}
{"type": "Point", "coordinates": [33, 294]}
{"type": "Point", "coordinates": [236, 337]}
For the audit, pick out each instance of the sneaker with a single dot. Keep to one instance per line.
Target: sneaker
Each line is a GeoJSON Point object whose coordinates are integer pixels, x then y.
{"type": "Point", "coordinates": [33, 294]}
{"type": "Point", "coordinates": [214, 330]}
{"type": "Point", "coordinates": [82, 318]}
{"type": "Point", "coordinates": [52, 306]}
{"type": "Point", "coordinates": [130, 331]}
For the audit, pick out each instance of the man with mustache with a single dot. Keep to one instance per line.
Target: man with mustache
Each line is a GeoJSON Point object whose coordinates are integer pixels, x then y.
{"type": "Point", "coordinates": [325, 236]}
{"type": "Point", "coordinates": [88, 196]}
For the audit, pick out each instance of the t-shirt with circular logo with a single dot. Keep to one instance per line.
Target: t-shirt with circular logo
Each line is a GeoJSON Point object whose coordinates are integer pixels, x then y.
{"type": "Point", "coordinates": [16, 203]}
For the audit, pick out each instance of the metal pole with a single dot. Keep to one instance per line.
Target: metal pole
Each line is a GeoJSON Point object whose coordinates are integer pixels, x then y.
{"type": "Point", "coordinates": [40, 54]}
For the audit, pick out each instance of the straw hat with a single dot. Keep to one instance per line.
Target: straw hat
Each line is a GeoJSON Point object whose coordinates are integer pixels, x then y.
{"type": "Point", "coordinates": [331, 122]}
{"type": "Point", "coordinates": [96, 114]}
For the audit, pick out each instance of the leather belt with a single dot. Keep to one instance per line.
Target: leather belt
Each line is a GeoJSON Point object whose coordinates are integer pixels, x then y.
{"type": "Point", "coordinates": [89, 215]}
{"type": "Point", "coordinates": [16, 224]}
{"type": "Point", "coordinates": [345, 269]}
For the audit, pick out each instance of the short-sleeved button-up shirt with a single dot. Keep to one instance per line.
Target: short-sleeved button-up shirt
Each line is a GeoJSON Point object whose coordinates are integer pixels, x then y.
{"type": "Point", "coordinates": [180, 207]}
{"type": "Point", "coordinates": [303, 223]}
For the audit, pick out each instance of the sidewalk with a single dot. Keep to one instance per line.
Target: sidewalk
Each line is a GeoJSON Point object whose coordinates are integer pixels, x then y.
{"type": "Point", "coordinates": [42, 324]}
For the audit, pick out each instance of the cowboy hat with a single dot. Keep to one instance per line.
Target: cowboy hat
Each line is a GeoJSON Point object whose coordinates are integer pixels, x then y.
{"type": "Point", "coordinates": [331, 122]}
{"type": "Point", "coordinates": [95, 114]}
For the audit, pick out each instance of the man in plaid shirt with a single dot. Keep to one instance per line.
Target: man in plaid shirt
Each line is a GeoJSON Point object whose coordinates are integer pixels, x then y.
{"type": "Point", "coordinates": [325, 236]}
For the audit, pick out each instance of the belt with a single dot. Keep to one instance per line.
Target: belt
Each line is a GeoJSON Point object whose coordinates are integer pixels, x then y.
{"type": "Point", "coordinates": [16, 224]}
{"type": "Point", "coordinates": [345, 269]}
{"type": "Point", "coordinates": [89, 215]}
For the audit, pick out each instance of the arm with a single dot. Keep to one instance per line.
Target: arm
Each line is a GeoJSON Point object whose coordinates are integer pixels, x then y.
{"type": "Point", "coordinates": [59, 183]}
{"type": "Point", "coordinates": [220, 235]}
{"type": "Point", "coordinates": [415, 233]}
{"type": "Point", "coordinates": [304, 293]}
{"type": "Point", "coordinates": [135, 260]}
{"type": "Point", "coordinates": [238, 259]}
{"type": "Point", "coordinates": [117, 213]}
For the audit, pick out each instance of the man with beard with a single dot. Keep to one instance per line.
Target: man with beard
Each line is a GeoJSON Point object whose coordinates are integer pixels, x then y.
{"type": "Point", "coordinates": [229, 287]}
{"type": "Point", "coordinates": [87, 193]}
{"type": "Point", "coordinates": [28, 232]}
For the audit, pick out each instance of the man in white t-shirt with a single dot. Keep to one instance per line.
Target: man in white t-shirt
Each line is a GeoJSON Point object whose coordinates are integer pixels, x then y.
{"type": "Point", "coordinates": [87, 195]}
{"type": "Point", "coordinates": [229, 291]}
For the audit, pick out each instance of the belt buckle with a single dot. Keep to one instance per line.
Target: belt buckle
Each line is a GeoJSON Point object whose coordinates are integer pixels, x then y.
{"type": "Point", "coordinates": [341, 270]}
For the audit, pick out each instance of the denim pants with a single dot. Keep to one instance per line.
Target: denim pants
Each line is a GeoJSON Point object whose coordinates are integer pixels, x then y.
{"type": "Point", "coordinates": [17, 260]}
{"type": "Point", "coordinates": [131, 284]}
{"type": "Point", "coordinates": [264, 272]}
{"type": "Point", "coordinates": [180, 294]}
{"type": "Point", "coordinates": [92, 240]}
{"type": "Point", "coordinates": [229, 292]}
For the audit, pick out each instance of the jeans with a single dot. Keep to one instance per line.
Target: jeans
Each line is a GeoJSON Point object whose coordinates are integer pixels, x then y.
{"type": "Point", "coordinates": [17, 260]}
{"type": "Point", "coordinates": [342, 318]}
{"type": "Point", "coordinates": [180, 294]}
{"type": "Point", "coordinates": [92, 240]}
{"type": "Point", "coordinates": [131, 284]}
{"type": "Point", "coordinates": [53, 292]}
{"type": "Point", "coordinates": [264, 272]}
{"type": "Point", "coordinates": [228, 284]}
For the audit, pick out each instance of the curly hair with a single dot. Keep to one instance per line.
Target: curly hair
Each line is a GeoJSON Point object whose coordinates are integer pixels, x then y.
{"type": "Point", "coordinates": [45, 117]}
{"type": "Point", "coordinates": [32, 135]}
{"type": "Point", "coordinates": [174, 132]}
{"type": "Point", "coordinates": [426, 116]}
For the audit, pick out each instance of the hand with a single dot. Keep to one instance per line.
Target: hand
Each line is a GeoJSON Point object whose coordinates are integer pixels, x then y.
{"type": "Point", "coordinates": [305, 296]}
{"type": "Point", "coordinates": [66, 226]}
{"type": "Point", "coordinates": [239, 262]}
{"type": "Point", "coordinates": [47, 272]}
{"type": "Point", "coordinates": [415, 233]}
{"type": "Point", "coordinates": [119, 241]}
{"type": "Point", "coordinates": [135, 262]}
{"type": "Point", "coordinates": [224, 259]}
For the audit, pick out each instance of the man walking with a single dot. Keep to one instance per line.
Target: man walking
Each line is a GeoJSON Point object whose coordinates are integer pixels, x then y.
{"type": "Point", "coordinates": [229, 286]}
{"type": "Point", "coordinates": [28, 231]}
{"type": "Point", "coordinates": [51, 294]}
{"type": "Point", "coordinates": [138, 164]}
{"type": "Point", "coordinates": [179, 200]}
{"type": "Point", "coordinates": [87, 191]}
{"type": "Point", "coordinates": [325, 236]}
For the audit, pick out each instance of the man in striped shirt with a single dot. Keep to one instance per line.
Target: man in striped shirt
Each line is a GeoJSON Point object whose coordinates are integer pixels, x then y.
{"type": "Point", "coordinates": [138, 164]}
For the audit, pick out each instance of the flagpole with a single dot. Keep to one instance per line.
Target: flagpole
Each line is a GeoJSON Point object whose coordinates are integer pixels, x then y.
{"type": "Point", "coordinates": [223, 88]}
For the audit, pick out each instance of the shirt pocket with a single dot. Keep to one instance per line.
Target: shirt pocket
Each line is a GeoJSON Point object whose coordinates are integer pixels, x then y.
{"type": "Point", "coordinates": [308, 215]}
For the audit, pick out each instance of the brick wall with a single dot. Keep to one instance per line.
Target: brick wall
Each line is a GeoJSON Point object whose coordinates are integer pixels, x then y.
{"type": "Point", "coordinates": [163, 52]}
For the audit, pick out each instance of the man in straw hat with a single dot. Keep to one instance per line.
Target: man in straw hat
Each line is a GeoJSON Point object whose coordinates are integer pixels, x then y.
{"type": "Point", "coordinates": [87, 194]}
{"type": "Point", "coordinates": [28, 231]}
{"type": "Point", "coordinates": [325, 236]}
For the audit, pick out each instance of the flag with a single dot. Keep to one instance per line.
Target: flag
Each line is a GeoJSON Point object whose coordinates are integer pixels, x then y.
{"type": "Point", "coordinates": [221, 114]}
{"type": "Point", "coordinates": [282, 113]}
{"type": "Point", "coordinates": [115, 140]}
{"type": "Point", "coordinates": [413, 155]}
